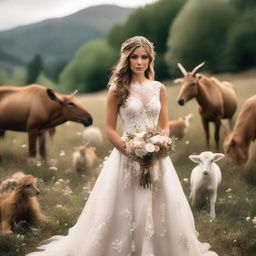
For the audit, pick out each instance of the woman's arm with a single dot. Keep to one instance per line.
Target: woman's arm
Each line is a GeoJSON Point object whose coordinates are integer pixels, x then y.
{"type": "Point", "coordinates": [111, 121]}
{"type": "Point", "coordinates": [163, 115]}
{"type": "Point", "coordinates": [162, 121]}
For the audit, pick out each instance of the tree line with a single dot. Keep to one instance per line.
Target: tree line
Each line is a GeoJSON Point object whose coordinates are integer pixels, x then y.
{"type": "Point", "coordinates": [220, 32]}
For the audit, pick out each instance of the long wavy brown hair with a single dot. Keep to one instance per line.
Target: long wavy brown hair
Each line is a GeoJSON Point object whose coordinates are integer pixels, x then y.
{"type": "Point", "coordinates": [122, 74]}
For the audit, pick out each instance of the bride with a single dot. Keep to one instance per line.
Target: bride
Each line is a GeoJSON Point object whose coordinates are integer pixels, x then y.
{"type": "Point", "coordinates": [121, 217]}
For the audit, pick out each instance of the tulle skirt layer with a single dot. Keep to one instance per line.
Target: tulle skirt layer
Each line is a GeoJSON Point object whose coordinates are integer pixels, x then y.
{"type": "Point", "coordinates": [122, 218]}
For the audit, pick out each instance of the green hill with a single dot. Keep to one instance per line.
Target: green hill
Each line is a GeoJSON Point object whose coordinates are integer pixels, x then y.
{"type": "Point", "coordinates": [57, 40]}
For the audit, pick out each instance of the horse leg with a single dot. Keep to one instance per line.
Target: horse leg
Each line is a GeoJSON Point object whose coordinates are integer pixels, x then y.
{"type": "Point", "coordinates": [206, 129]}
{"type": "Point", "coordinates": [230, 123]}
{"type": "Point", "coordinates": [42, 144]}
{"type": "Point", "coordinates": [2, 133]}
{"type": "Point", "coordinates": [217, 132]}
{"type": "Point", "coordinates": [32, 136]}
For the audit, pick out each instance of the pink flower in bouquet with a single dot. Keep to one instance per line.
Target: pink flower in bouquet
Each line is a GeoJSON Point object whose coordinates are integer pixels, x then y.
{"type": "Point", "coordinates": [157, 148]}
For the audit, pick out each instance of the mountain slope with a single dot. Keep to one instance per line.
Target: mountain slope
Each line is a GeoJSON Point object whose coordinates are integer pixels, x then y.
{"type": "Point", "coordinates": [57, 40]}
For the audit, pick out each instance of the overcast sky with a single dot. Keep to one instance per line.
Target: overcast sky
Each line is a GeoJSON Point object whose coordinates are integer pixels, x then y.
{"type": "Point", "coordinates": [14, 13]}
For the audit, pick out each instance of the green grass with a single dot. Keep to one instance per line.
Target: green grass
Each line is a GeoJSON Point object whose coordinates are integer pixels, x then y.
{"type": "Point", "coordinates": [64, 192]}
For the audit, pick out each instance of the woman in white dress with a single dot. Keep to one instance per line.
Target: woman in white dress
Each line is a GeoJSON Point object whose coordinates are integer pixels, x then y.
{"type": "Point", "coordinates": [121, 218]}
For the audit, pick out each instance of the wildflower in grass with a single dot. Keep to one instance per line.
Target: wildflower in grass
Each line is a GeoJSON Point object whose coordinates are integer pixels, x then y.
{"type": "Point", "coordinates": [62, 153]}
{"type": "Point", "coordinates": [67, 191]}
{"type": "Point", "coordinates": [185, 180]}
{"type": "Point", "coordinates": [254, 220]}
{"type": "Point", "coordinates": [221, 201]}
{"type": "Point", "coordinates": [88, 187]}
{"type": "Point", "coordinates": [60, 181]}
{"type": "Point", "coordinates": [19, 236]}
{"type": "Point", "coordinates": [228, 190]}
{"type": "Point", "coordinates": [53, 162]}
{"type": "Point", "coordinates": [38, 163]}
{"type": "Point", "coordinates": [53, 168]}
{"type": "Point", "coordinates": [247, 218]}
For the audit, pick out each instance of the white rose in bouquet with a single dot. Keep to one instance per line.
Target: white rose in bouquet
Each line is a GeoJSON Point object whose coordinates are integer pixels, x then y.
{"type": "Point", "coordinates": [150, 147]}
{"type": "Point", "coordinates": [140, 134]}
{"type": "Point", "coordinates": [140, 152]}
{"type": "Point", "coordinates": [155, 139]}
{"type": "Point", "coordinates": [138, 141]}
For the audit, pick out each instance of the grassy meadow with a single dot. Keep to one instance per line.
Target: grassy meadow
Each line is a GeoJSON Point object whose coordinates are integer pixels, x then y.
{"type": "Point", "coordinates": [64, 192]}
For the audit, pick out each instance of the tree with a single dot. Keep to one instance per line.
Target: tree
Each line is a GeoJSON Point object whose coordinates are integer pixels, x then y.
{"type": "Point", "coordinates": [54, 69]}
{"type": "Point", "coordinates": [90, 70]}
{"type": "Point", "coordinates": [240, 51]}
{"type": "Point", "coordinates": [152, 21]}
{"type": "Point", "coordinates": [199, 34]}
{"type": "Point", "coordinates": [35, 66]}
{"type": "Point", "coordinates": [244, 4]}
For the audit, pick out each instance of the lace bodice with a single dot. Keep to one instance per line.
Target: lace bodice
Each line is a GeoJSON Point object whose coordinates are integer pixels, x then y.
{"type": "Point", "coordinates": [142, 107]}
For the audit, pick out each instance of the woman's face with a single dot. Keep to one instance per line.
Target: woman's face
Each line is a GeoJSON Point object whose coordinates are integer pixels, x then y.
{"type": "Point", "coordinates": [139, 61]}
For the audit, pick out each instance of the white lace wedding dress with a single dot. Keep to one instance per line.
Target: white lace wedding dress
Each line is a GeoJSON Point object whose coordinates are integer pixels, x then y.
{"type": "Point", "coordinates": [120, 217]}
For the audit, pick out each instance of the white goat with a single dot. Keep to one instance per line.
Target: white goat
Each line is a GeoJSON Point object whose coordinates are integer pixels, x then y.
{"type": "Point", "coordinates": [92, 136]}
{"type": "Point", "coordinates": [205, 176]}
{"type": "Point", "coordinates": [84, 158]}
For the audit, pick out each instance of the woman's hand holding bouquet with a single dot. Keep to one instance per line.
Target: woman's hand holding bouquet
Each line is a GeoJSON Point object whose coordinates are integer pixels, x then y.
{"type": "Point", "coordinates": [146, 147]}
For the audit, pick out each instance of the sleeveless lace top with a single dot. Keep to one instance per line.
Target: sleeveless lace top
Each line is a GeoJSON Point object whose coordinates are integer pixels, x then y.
{"type": "Point", "coordinates": [142, 107]}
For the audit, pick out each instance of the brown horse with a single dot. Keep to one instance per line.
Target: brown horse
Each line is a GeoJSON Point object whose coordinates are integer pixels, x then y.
{"type": "Point", "coordinates": [237, 143]}
{"type": "Point", "coordinates": [35, 108]}
{"type": "Point", "coordinates": [217, 100]}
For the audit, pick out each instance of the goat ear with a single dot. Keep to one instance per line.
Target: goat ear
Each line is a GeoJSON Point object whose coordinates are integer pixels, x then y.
{"type": "Point", "coordinates": [178, 80]}
{"type": "Point", "coordinates": [194, 158]}
{"type": "Point", "coordinates": [53, 96]}
{"type": "Point", "coordinates": [218, 156]}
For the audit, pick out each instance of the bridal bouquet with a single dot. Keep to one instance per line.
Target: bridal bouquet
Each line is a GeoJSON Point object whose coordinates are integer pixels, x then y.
{"type": "Point", "coordinates": [148, 145]}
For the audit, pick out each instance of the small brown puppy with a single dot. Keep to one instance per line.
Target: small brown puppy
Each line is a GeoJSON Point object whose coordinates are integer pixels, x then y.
{"type": "Point", "coordinates": [20, 206]}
